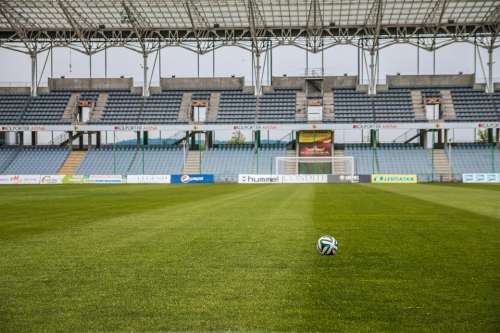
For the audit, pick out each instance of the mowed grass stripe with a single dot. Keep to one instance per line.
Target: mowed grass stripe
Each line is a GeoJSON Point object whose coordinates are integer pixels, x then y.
{"type": "Point", "coordinates": [476, 199]}
{"type": "Point", "coordinates": [243, 258]}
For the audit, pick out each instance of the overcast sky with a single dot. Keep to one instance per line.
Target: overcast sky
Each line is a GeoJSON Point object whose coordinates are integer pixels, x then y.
{"type": "Point", "coordinates": [15, 67]}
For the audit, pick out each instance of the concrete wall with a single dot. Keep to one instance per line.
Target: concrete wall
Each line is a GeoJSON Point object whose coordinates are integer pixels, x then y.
{"type": "Point", "coordinates": [15, 90]}
{"type": "Point", "coordinates": [205, 83]}
{"type": "Point", "coordinates": [91, 84]}
{"type": "Point", "coordinates": [329, 82]}
{"type": "Point", "coordinates": [422, 81]}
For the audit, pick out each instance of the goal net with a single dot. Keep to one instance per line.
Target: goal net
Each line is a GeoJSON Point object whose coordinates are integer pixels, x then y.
{"type": "Point", "coordinates": [341, 166]}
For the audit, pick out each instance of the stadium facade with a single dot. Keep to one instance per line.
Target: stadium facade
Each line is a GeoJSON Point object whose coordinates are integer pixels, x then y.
{"type": "Point", "coordinates": [81, 114]}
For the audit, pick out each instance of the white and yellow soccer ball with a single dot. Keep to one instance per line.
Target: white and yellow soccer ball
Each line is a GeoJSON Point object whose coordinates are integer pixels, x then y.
{"type": "Point", "coordinates": [327, 245]}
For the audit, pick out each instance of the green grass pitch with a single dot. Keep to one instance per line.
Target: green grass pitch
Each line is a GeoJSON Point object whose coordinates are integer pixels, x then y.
{"type": "Point", "coordinates": [412, 258]}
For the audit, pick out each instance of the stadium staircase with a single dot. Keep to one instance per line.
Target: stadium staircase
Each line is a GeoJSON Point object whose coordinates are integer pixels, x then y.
{"type": "Point", "coordinates": [192, 163]}
{"type": "Point", "coordinates": [71, 108]}
{"type": "Point", "coordinates": [338, 165]}
{"type": "Point", "coordinates": [72, 162]}
{"type": "Point", "coordinates": [185, 108]}
{"type": "Point", "coordinates": [447, 105]}
{"type": "Point", "coordinates": [418, 105]}
{"type": "Point", "coordinates": [290, 166]}
{"type": "Point", "coordinates": [213, 107]}
{"type": "Point", "coordinates": [328, 110]}
{"type": "Point", "coordinates": [441, 165]}
{"type": "Point", "coordinates": [100, 104]}
{"type": "Point", "coordinates": [300, 106]}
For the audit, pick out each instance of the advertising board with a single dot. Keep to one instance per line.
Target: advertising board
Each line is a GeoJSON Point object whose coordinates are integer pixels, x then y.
{"type": "Point", "coordinates": [192, 179]}
{"type": "Point", "coordinates": [148, 179]}
{"type": "Point", "coordinates": [394, 179]}
{"type": "Point", "coordinates": [481, 177]}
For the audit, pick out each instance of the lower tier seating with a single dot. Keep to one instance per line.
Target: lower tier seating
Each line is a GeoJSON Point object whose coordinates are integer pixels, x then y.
{"type": "Point", "coordinates": [131, 160]}
{"type": "Point", "coordinates": [32, 161]}
{"type": "Point", "coordinates": [229, 161]}
{"type": "Point", "coordinates": [468, 158]}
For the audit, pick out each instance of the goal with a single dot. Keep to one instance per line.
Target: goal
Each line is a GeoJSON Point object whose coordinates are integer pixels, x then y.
{"type": "Point", "coordinates": [341, 166]}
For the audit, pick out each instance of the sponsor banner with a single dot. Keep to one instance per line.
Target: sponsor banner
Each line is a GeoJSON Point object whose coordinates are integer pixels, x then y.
{"type": "Point", "coordinates": [19, 179]}
{"type": "Point", "coordinates": [342, 179]}
{"type": "Point", "coordinates": [315, 136]}
{"type": "Point", "coordinates": [191, 179]}
{"type": "Point", "coordinates": [481, 177]}
{"type": "Point", "coordinates": [51, 179]}
{"type": "Point", "coordinates": [148, 179]}
{"type": "Point", "coordinates": [303, 179]}
{"type": "Point", "coordinates": [365, 178]}
{"type": "Point", "coordinates": [74, 179]}
{"type": "Point", "coordinates": [104, 179]}
{"type": "Point", "coordinates": [394, 179]}
{"type": "Point", "coordinates": [258, 179]}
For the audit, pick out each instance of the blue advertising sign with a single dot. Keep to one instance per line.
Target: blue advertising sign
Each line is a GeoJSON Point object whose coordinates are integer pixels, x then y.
{"type": "Point", "coordinates": [191, 179]}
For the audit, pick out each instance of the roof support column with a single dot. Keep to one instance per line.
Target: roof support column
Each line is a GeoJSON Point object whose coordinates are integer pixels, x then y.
{"type": "Point", "coordinates": [34, 75]}
{"type": "Point", "coordinates": [257, 69]}
{"type": "Point", "coordinates": [145, 87]}
{"type": "Point", "coordinates": [372, 87]}
{"type": "Point", "coordinates": [490, 88]}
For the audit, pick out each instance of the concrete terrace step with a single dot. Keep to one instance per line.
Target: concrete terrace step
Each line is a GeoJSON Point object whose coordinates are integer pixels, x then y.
{"type": "Point", "coordinates": [72, 162]}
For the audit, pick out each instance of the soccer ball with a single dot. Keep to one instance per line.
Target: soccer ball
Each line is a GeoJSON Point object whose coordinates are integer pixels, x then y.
{"type": "Point", "coordinates": [327, 245]}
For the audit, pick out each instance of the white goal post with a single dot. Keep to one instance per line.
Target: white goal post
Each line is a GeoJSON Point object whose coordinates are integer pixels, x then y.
{"type": "Point", "coordinates": [335, 165]}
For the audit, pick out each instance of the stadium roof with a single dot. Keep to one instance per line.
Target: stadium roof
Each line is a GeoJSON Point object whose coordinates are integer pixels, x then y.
{"type": "Point", "coordinates": [312, 24]}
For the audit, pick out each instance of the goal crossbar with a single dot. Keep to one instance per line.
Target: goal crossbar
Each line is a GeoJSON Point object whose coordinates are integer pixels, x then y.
{"type": "Point", "coordinates": [335, 165]}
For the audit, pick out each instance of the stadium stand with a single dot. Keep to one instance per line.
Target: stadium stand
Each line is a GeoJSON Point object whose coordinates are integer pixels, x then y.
{"type": "Point", "coordinates": [391, 106]}
{"type": "Point", "coordinates": [393, 158]}
{"type": "Point", "coordinates": [130, 160]}
{"type": "Point", "coordinates": [474, 158]}
{"type": "Point", "coordinates": [12, 107]}
{"type": "Point", "coordinates": [46, 109]}
{"type": "Point", "coordinates": [7, 155]}
{"type": "Point", "coordinates": [471, 105]}
{"type": "Point", "coordinates": [33, 160]}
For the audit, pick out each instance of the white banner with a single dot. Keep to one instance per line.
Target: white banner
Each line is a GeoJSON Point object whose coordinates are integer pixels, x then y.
{"type": "Point", "coordinates": [19, 179]}
{"type": "Point", "coordinates": [282, 179]}
{"type": "Point", "coordinates": [98, 179]}
{"type": "Point", "coordinates": [51, 179]}
{"type": "Point", "coordinates": [303, 179]}
{"type": "Point", "coordinates": [258, 179]}
{"type": "Point", "coordinates": [148, 179]}
{"type": "Point", "coordinates": [481, 177]}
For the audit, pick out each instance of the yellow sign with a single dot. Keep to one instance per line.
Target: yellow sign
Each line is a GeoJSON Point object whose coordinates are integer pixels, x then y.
{"type": "Point", "coordinates": [394, 179]}
{"type": "Point", "coordinates": [315, 136]}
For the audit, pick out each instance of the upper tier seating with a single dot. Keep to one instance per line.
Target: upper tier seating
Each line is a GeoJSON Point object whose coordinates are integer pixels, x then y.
{"type": "Point", "coordinates": [392, 106]}
{"type": "Point", "coordinates": [277, 106]}
{"type": "Point", "coordinates": [47, 109]}
{"type": "Point", "coordinates": [236, 107]}
{"type": "Point", "coordinates": [474, 158]}
{"type": "Point", "coordinates": [36, 161]}
{"type": "Point", "coordinates": [130, 160]}
{"type": "Point", "coordinates": [473, 105]}
{"type": "Point", "coordinates": [12, 107]}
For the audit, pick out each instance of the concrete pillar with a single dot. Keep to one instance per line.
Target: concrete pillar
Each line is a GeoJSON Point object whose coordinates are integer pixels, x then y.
{"type": "Point", "coordinates": [34, 138]}
{"type": "Point", "coordinates": [209, 138]}
{"type": "Point", "coordinates": [497, 136]}
{"type": "Point", "coordinates": [80, 141]}
{"type": "Point", "coordinates": [138, 136]}
{"type": "Point", "coordinates": [146, 137]}
{"type": "Point", "coordinates": [98, 139]}
{"type": "Point", "coordinates": [372, 86]}
{"type": "Point", "coordinates": [89, 139]}
{"type": "Point", "coordinates": [373, 137]}
{"type": "Point", "coordinates": [70, 139]}
{"type": "Point", "coordinates": [491, 139]}
{"type": "Point", "coordinates": [257, 139]}
{"type": "Point", "coordinates": [34, 83]}
{"type": "Point", "coordinates": [490, 87]}
{"type": "Point", "coordinates": [257, 74]}
{"type": "Point", "coordinates": [145, 86]}
{"type": "Point", "coordinates": [422, 138]}
{"type": "Point", "coordinates": [20, 138]}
